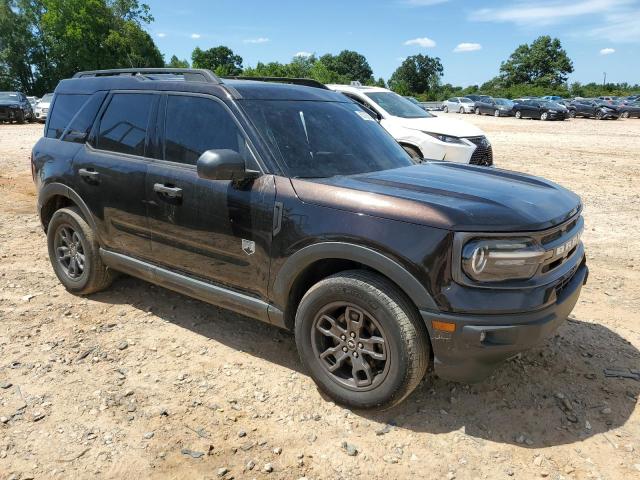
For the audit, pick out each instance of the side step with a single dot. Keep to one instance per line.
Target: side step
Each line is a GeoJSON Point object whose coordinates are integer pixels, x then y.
{"type": "Point", "coordinates": [207, 292]}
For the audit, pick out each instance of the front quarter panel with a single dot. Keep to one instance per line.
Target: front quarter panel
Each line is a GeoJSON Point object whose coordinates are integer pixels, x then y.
{"type": "Point", "coordinates": [422, 252]}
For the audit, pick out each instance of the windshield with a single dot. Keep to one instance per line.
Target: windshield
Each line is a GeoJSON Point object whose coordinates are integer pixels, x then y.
{"type": "Point", "coordinates": [466, 100]}
{"type": "Point", "coordinates": [11, 96]}
{"type": "Point", "coordinates": [397, 106]}
{"type": "Point", "coordinates": [504, 101]}
{"type": "Point", "coordinates": [324, 139]}
{"type": "Point", "coordinates": [47, 97]}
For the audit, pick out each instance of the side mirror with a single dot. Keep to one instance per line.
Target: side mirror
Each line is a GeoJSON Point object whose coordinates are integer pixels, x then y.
{"type": "Point", "coordinates": [221, 165]}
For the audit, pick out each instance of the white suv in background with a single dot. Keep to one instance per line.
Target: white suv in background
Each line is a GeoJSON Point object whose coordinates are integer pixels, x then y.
{"type": "Point", "coordinates": [422, 134]}
{"type": "Point", "coordinates": [458, 105]}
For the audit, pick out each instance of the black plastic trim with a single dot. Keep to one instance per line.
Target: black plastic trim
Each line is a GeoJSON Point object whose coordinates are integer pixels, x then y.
{"type": "Point", "coordinates": [304, 257]}
{"type": "Point", "coordinates": [207, 292]}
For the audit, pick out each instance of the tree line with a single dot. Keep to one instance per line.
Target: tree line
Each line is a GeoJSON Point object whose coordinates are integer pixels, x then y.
{"type": "Point", "coordinates": [44, 41]}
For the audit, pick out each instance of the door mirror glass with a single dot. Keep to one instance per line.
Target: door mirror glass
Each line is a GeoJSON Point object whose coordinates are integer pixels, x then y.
{"type": "Point", "coordinates": [221, 165]}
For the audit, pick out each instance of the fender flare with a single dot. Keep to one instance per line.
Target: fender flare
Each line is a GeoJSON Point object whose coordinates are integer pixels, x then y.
{"type": "Point", "coordinates": [52, 189]}
{"type": "Point", "coordinates": [304, 257]}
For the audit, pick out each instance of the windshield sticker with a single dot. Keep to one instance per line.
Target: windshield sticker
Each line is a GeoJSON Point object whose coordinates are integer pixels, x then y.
{"type": "Point", "coordinates": [364, 115]}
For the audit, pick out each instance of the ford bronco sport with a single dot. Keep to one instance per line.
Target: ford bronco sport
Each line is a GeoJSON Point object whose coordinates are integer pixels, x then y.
{"type": "Point", "coordinates": [289, 204]}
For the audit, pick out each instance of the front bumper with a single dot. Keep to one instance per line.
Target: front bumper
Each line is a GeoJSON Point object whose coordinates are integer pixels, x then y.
{"type": "Point", "coordinates": [463, 357]}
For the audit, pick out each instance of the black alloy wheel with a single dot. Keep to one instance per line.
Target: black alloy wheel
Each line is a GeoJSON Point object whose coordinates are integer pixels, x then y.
{"type": "Point", "coordinates": [69, 251]}
{"type": "Point", "coordinates": [350, 344]}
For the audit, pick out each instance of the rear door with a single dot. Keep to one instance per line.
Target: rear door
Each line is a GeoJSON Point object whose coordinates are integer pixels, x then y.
{"type": "Point", "coordinates": [111, 171]}
{"type": "Point", "coordinates": [217, 230]}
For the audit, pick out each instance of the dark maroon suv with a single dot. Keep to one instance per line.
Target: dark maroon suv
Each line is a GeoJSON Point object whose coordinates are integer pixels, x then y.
{"type": "Point", "coordinates": [289, 204]}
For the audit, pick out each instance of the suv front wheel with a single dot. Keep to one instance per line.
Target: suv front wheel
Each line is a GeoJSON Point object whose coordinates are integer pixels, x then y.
{"type": "Point", "coordinates": [361, 340]}
{"type": "Point", "coordinates": [74, 253]}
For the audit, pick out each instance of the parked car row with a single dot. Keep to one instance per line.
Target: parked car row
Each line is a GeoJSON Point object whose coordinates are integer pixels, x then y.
{"type": "Point", "coordinates": [17, 107]}
{"type": "Point", "coordinates": [550, 107]}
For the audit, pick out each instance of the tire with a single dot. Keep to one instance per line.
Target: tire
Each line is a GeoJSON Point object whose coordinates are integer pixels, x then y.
{"type": "Point", "coordinates": [20, 118]}
{"type": "Point", "coordinates": [401, 338]}
{"type": "Point", "coordinates": [598, 115]}
{"type": "Point", "coordinates": [461, 110]}
{"type": "Point", "coordinates": [446, 109]}
{"type": "Point", "coordinates": [518, 114]}
{"type": "Point", "coordinates": [87, 277]}
{"type": "Point", "coordinates": [414, 153]}
{"type": "Point", "coordinates": [544, 116]}
{"type": "Point", "coordinates": [496, 113]}
{"type": "Point", "coordinates": [572, 113]}
{"type": "Point", "coordinates": [624, 115]}
{"type": "Point", "coordinates": [477, 111]}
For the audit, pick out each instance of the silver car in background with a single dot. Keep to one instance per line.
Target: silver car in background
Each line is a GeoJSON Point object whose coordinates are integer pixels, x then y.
{"type": "Point", "coordinates": [458, 104]}
{"type": "Point", "coordinates": [42, 107]}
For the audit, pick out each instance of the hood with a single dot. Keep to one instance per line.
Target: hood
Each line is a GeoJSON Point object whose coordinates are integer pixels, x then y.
{"type": "Point", "coordinates": [444, 126]}
{"type": "Point", "coordinates": [448, 195]}
{"type": "Point", "coordinates": [43, 104]}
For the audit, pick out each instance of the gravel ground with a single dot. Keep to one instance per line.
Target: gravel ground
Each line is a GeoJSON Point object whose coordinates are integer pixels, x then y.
{"type": "Point", "coordinates": [141, 382]}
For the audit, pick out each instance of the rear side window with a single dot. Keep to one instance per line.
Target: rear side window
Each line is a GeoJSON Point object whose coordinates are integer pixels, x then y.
{"type": "Point", "coordinates": [123, 127]}
{"type": "Point", "coordinates": [63, 110]}
{"type": "Point", "coordinates": [194, 125]}
{"type": "Point", "coordinates": [80, 125]}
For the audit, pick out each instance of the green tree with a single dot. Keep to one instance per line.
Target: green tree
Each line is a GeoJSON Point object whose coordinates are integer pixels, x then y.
{"type": "Point", "coordinates": [43, 41]}
{"type": "Point", "coordinates": [418, 74]}
{"type": "Point", "coordinates": [175, 62]}
{"type": "Point", "coordinates": [349, 64]}
{"type": "Point", "coordinates": [221, 60]}
{"type": "Point", "coordinates": [544, 63]}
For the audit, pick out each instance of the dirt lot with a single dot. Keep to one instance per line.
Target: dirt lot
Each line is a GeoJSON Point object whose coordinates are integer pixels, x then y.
{"type": "Point", "coordinates": [144, 383]}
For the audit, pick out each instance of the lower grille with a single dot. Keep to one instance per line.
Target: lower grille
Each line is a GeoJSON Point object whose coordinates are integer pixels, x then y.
{"type": "Point", "coordinates": [483, 154]}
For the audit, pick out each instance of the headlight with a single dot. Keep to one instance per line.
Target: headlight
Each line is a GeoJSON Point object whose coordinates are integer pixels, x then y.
{"type": "Point", "coordinates": [14, 106]}
{"type": "Point", "coordinates": [445, 138]}
{"type": "Point", "coordinates": [496, 260]}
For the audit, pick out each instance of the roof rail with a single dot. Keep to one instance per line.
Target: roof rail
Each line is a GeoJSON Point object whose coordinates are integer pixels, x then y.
{"type": "Point", "coordinates": [189, 74]}
{"type": "Point", "coordinates": [307, 82]}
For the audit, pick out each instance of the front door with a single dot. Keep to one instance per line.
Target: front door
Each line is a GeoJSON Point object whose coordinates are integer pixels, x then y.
{"type": "Point", "coordinates": [111, 172]}
{"type": "Point", "coordinates": [216, 230]}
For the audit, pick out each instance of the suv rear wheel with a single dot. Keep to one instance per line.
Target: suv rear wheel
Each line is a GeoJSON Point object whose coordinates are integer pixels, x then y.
{"type": "Point", "coordinates": [362, 341]}
{"type": "Point", "coordinates": [74, 253]}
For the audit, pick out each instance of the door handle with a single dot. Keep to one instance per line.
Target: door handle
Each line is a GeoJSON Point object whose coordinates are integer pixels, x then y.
{"type": "Point", "coordinates": [167, 190]}
{"type": "Point", "coordinates": [89, 174]}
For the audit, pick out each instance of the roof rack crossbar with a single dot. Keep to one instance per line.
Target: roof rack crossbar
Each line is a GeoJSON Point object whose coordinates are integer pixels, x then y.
{"type": "Point", "coordinates": [190, 74]}
{"type": "Point", "coordinates": [307, 82]}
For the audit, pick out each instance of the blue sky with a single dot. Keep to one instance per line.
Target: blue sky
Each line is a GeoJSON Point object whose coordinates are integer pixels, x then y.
{"type": "Point", "coordinates": [471, 37]}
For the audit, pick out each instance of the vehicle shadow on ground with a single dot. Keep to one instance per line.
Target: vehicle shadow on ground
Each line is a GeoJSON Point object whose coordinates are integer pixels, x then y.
{"type": "Point", "coordinates": [554, 394]}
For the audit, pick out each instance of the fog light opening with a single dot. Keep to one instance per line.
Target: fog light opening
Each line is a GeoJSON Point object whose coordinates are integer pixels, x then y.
{"type": "Point", "coordinates": [483, 335]}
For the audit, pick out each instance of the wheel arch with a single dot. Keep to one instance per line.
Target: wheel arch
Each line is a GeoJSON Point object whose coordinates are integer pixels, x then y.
{"type": "Point", "coordinates": [315, 262]}
{"type": "Point", "coordinates": [55, 196]}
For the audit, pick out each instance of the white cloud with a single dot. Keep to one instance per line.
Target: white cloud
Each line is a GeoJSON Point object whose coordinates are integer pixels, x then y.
{"type": "Point", "coordinates": [423, 3]}
{"type": "Point", "coordinates": [257, 40]}
{"type": "Point", "coordinates": [467, 47]}
{"type": "Point", "coordinates": [623, 27]}
{"type": "Point", "coordinates": [607, 51]}
{"type": "Point", "coordinates": [162, 35]}
{"type": "Point", "coordinates": [423, 42]}
{"type": "Point", "coordinates": [195, 36]}
{"type": "Point", "coordinates": [303, 54]}
{"type": "Point", "coordinates": [548, 11]}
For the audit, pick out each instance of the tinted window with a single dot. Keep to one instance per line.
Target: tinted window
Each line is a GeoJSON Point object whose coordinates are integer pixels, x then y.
{"type": "Point", "coordinates": [324, 139]}
{"type": "Point", "coordinates": [194, 125]}
{"type": "Point", "coordinates": [123, 127]}
{"type": "Point", "coordinates": [63, 110]}
{"type": "Point", "coordinates": [80, 125]}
